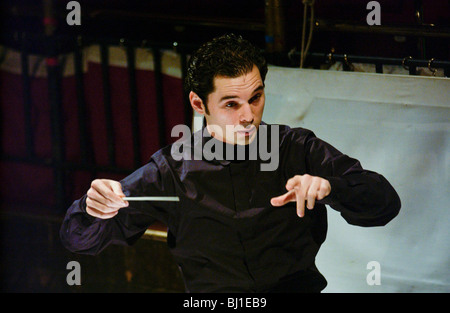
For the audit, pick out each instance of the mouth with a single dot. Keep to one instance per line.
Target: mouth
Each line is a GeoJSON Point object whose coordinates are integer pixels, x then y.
{"type": "Point", "coordinates": [247, 132]}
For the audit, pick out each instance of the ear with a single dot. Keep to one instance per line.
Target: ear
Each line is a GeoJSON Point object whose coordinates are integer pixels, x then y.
{"type": "Point", "coordinates": [197, 103]}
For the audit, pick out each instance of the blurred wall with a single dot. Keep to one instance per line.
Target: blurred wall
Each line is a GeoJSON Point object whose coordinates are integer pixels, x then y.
{"type": "Point", "coordinates": [398, 126]}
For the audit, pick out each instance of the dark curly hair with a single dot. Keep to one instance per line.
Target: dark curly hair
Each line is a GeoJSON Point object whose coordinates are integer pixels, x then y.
{"type": "Point", "coordinates": [228, 56]}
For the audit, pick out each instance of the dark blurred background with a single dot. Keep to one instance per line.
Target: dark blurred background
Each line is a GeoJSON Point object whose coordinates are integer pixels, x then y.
{"type": "Point", "coordinates": [340, 24]}
{"type": "Point", "coordinates": [62, 128]}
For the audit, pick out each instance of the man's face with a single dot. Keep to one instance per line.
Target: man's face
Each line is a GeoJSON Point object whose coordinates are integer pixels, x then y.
{"type": "Point", "coordinates": [236, 107]}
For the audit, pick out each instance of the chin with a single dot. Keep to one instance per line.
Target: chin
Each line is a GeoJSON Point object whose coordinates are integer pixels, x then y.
{"type": "Point", "coordinates": [241, 140]}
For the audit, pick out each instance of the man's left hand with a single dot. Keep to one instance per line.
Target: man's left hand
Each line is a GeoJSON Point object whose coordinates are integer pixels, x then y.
{"type": "Point", "coordinates": [303, 188]}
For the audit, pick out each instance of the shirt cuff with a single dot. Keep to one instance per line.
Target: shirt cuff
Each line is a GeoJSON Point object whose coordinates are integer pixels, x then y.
{"type": "Point", "coordinates": [82, 209]}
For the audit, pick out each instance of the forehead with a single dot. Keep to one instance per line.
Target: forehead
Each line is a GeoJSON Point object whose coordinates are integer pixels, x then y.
{"type": "Point", "coordinates": [235, 85]}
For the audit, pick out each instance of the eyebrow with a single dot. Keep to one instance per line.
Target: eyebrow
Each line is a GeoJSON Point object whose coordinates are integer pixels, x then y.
{"type": "Point", "coordinates": [261, 87]}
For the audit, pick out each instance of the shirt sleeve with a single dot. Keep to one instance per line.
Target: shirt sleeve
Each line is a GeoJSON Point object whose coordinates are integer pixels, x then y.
{"type": "Point", "coordinates": [363, 197]}
{"type": "Point", "coordinates": [83, 233]}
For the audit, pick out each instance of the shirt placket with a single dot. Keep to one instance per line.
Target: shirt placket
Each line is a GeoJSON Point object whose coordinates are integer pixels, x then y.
{"type": "Point", "coordinates": [239, 172]}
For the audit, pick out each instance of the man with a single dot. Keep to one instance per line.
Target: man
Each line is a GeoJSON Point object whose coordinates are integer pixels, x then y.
{"type": "Point", "coordinates": [236, 228]}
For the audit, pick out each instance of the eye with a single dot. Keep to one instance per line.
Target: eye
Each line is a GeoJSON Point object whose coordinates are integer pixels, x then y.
{"type": "Point", "coordinates": [255, 98]}
{"type": "Point", "coordinates": [231, 104]}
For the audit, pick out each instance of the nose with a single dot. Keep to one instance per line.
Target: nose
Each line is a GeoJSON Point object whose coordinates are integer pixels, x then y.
{"type": "Point", "coordinates": [246, 114]}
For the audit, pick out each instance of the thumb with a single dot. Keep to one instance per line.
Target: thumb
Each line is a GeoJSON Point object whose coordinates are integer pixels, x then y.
{"type": "Point", "coordinates": [283, 199]}
{"type": "Point", "coordinates": [117, 189]}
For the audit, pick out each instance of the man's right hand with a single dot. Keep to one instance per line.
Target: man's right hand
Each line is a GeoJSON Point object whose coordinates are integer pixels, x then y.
{"type": "Point", "coordinates": [104, 198]}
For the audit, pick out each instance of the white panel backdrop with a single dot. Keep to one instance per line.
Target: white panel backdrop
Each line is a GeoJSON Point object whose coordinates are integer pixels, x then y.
{"type": "Point", "coordinates": [398, 126]}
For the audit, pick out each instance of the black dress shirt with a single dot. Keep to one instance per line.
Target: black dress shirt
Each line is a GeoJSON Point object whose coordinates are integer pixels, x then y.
{"type": "Point", "coordinates": [224, 234]}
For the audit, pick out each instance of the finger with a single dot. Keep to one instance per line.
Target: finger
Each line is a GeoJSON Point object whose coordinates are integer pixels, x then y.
{"type": "Point", "coordinates": [104, 188]}
{"type": "Point", "coordinates": [324, 189]}
{"type": "Point", "coordinates": [292, 182]}
{"type": "Point", "coordinates": [98, 197]}
{"type": "Point", "coordinates": [117, 189]}
{"type": "Point", "coordinates": [312, 193]}
{"type": "Point", "coordinates": [100, 207]}
{"type": "Point", "coordinates": [300, 197]}
{"type": "Point", "coordinates": [93, 212]}
{"type": "Point", "coordinates": [283, 199]}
